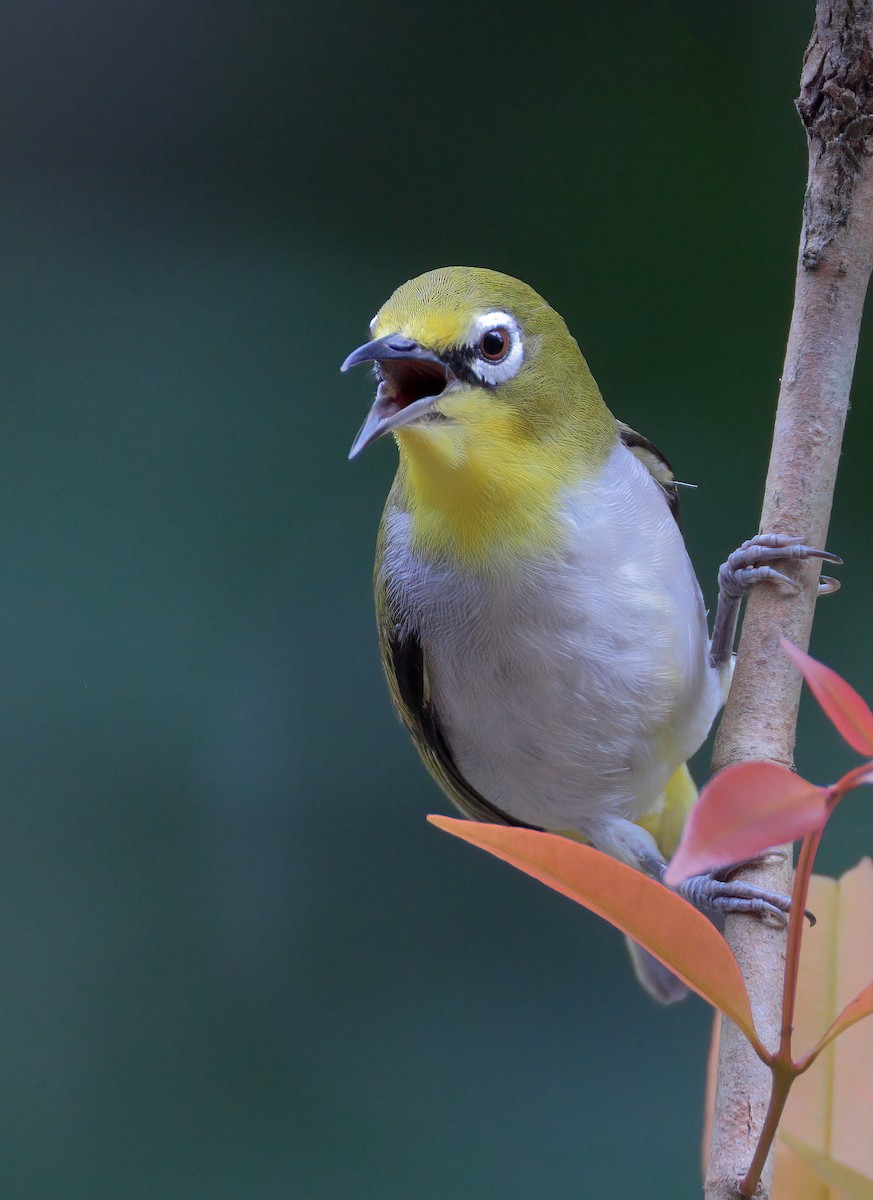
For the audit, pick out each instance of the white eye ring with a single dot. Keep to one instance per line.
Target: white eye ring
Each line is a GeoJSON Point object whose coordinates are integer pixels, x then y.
{"type": "Point", "coordinates": [505, 361]}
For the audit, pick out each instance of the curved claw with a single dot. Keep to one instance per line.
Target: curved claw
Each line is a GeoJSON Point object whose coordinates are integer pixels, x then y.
{"type": "Point", "coordinates": [766, 858]}
{"type": "Point", "coordinates": [717, 892]}
{"type": "Point", "coordinates": [714, 895]}
{"type": "Point", "coordinates": [828, 585]}
{"type": "Point", "coordinates": [749, 563]}
{"type": "Point", "coordinates": [789, 545]}
{"type": "Point", "coordinates": [750, 575]}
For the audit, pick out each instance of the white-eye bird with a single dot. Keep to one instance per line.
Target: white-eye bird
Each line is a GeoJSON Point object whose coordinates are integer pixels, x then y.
{"type": "Point", "coordinates": [541, 626]}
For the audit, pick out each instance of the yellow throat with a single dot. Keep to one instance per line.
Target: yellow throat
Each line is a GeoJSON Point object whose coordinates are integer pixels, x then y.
{"type": "Point", "coordinates": [478, 492]}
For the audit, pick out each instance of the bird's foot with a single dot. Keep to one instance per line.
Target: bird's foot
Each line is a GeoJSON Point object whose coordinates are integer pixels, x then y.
{"type": "Point", "coordinates": [751, 564]}
{"type": "Point", "coordinates": [717, 896]}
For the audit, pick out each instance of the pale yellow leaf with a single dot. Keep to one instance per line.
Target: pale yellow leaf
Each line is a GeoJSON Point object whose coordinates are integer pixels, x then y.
{"type": "Point", "coordinates": [840, 1179]}
{"type": "Point", "coordinates": [830, 1109]}
{"type": "Point", "coordinates": [824, 1149]}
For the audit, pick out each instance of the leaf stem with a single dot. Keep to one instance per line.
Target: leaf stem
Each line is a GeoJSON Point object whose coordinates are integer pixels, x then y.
{"type": "Point", "coordinates": [783, 1069]}
{"type": "Point", "coordinates": [799, 892]}
{"type": "Point", "coordinates": [782, 1080]}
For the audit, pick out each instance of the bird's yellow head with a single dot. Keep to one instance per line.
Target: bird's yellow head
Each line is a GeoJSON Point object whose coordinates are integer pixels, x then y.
{"type": "Point", "coordinates": [493, 407]}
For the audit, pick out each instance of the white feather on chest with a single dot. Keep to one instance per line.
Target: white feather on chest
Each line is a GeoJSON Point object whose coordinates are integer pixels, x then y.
{"type": "Point", "coordinates": [569, 686]}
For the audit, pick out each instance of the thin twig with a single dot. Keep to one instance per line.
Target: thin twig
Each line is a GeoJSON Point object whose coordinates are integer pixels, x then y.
{"type": "Point", "coordinates": [782, 1081]}
{"type": "Point", "coordinates": [805, 861]}
{"type": "Point", "coordinates": [783, 1067]}
{"type": "Point", "coordinates": [836, 251]}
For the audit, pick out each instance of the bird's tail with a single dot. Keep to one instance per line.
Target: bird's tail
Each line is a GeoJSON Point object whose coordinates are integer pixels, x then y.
{"type": "Point", "coordinates": [658, 980]}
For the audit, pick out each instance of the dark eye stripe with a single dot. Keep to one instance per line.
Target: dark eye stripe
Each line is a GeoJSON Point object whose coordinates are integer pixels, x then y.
{"type": "Point", "coordinates": [460, 363]}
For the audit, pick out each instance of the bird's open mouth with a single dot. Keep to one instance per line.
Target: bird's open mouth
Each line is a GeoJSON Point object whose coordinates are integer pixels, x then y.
{"type": "Point", "coordinates": [410, 380]}
{"type": "Point", "coordinates": [404, 381]}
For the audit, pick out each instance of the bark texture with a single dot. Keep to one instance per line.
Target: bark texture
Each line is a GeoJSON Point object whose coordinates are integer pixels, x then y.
{"type": "Point", "coordinates": [834, 263]}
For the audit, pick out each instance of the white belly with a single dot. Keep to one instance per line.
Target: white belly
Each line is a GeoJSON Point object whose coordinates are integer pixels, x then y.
{"type": "Point", "coordinates": [570, 687]}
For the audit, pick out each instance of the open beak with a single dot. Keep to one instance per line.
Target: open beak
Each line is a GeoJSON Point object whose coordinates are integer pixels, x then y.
{"type": "Point", "coordinates": [411, 377]}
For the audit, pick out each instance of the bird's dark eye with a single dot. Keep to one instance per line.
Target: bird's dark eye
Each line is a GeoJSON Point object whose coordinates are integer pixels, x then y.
{"type": "Point", "coordinates": [495, 344]}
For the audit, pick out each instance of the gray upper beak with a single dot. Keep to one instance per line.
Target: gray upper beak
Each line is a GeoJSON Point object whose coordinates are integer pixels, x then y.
{"type": "Point", "coordinates": [393, 345]}
{"type": "Point", "coordinates": [387, 413]}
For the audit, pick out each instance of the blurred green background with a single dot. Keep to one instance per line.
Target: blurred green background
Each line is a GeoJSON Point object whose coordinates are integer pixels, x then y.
{"type": "Point", "coordinates": [235, 962]}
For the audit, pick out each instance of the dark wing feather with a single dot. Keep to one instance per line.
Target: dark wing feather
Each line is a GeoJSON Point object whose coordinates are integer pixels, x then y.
{"type": "Point", "coordinates": [655, 463]}
{"type": "Point", "coordinates": [406, 671]}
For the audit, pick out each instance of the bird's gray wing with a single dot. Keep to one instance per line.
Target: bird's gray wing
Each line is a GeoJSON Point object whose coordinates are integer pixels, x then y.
{"type": "Point", "coordinates": [655, 463]}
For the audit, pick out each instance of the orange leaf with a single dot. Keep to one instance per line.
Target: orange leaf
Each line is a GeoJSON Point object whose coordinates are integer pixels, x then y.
{"type": "Point", "coordinates": [743, 810]}
{"type": "Point", "coordinates": [665, 924]}
{"type": "Point", "coordinates": [709, 1094]}
{"type": "Point", "coordinates": [847, 711]}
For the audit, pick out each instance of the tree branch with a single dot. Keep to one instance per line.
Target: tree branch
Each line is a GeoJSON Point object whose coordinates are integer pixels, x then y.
{"type": "Point", "coordinates": [834, 263]}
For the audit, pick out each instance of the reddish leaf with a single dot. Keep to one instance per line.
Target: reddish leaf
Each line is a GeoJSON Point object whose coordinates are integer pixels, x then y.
{"type": "Point", "coordinates": [853, 779]}
{"type": "Point", "coordinates": [743, 810]}
{"type": "Point", "coordinates": [849, 714]}
{"type": "Point", "coordinates": [669, 928]}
